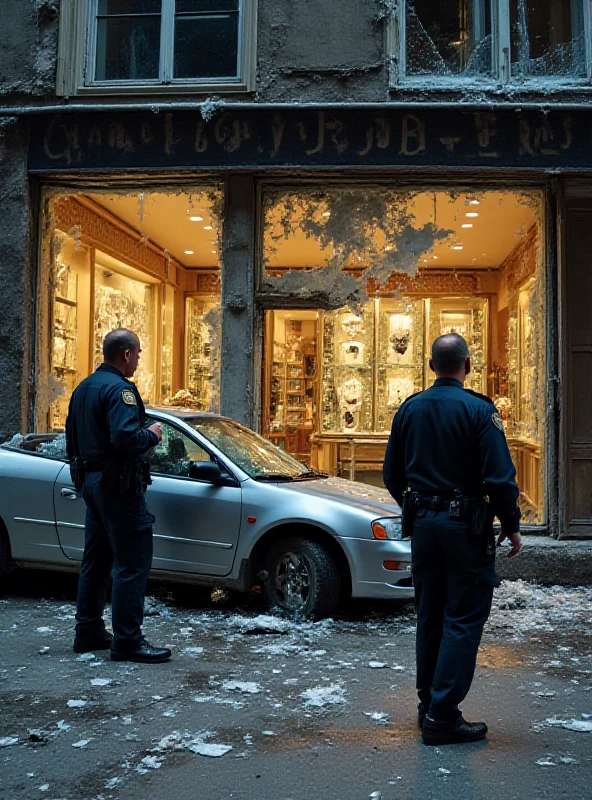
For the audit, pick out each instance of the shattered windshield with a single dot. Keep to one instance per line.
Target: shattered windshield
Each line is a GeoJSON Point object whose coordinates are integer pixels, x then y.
{"type": "Point", "coordinates": [256, 456]}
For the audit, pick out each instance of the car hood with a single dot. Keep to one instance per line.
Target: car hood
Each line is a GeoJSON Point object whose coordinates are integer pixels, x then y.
{"type": "Point", "coordinates": [369, 498]}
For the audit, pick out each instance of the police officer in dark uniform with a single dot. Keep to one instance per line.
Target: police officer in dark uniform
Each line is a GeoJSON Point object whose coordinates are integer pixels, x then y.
{"type": "Point", "coordinates": [107, 442]}
{"type": "Point", "coordinates": [448, 466]}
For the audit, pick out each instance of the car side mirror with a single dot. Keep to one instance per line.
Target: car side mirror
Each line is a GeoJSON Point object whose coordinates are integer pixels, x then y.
{"type": "Point", "coordinates": [205, 471]}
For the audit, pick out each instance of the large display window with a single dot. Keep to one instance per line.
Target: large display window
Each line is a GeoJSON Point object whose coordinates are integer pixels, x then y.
{"type": "Point", "coordinates": [131, 260]}
{"type": "Point", "coordinates": [414, 264]}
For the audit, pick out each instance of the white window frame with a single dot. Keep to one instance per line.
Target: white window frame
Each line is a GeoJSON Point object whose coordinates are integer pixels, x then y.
{"type": "Point", "coordinates": [77, 56]}
{"type": "Point", "coordinates": [501, 55]}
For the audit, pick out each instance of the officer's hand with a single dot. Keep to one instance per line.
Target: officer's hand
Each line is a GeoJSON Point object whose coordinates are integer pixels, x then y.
{"type": "Point", "coordinates": [515, 541]}
{"type": "Point", "coordinates": [157, 429]}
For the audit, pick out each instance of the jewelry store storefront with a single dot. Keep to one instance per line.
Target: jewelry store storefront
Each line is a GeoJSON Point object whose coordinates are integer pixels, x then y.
{"type": "Point", "coordinates": [291, 269]}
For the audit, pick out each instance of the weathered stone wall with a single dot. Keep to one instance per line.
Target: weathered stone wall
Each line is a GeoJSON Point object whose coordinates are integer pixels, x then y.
{"type": "Point", "coordinates": [16, 286]}
{"type": "Point", "coordinates": [28, 48]}
{"type": "Point", "coordinates": [320, 50]}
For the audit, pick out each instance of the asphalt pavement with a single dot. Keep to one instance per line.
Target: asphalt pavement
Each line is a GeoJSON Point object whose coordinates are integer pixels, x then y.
{"type": "Point", "coordinates": [265, 708]}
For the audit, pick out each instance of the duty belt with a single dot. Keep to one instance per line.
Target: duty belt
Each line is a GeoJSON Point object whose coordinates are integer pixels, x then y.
{"type": "Point", "coordinates": [435, 503]}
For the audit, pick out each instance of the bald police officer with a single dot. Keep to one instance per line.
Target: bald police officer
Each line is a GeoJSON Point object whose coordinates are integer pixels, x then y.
{"type": "Point", "coordinates": [446, 453]}
{"type": "Point", "coordinates": [107, 442]}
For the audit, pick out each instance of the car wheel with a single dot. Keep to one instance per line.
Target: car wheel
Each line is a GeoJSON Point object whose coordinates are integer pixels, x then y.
{"type": "Point", "coordinates": [301, 578]}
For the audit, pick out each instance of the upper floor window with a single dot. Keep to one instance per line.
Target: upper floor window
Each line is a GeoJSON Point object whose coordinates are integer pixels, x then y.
{"type": "Point", "coordinates": [118, 46]}
{"type": "Point", "coordinates": [504, 40]}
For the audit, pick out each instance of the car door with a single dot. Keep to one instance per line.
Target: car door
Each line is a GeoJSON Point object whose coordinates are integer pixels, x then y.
{"type": "Point", "coordinates": [69, 514]}
{"type": "Point", "coordinates": [197, 523]}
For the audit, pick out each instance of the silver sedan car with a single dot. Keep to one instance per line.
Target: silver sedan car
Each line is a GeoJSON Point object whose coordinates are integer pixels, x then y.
{"type": "Point", "coordinates": [232, 510]}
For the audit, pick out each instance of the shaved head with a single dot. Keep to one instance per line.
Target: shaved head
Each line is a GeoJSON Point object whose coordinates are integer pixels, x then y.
{"type": "Point", "coordinates": [449, 353]}
{"type": "Point", "coordinates": [117, 342]}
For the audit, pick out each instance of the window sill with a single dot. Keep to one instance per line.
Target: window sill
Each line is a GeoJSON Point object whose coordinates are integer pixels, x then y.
{"type": "Point", "coordinates": [144, 90]}
{"type": "Point", "coordinates": [485, 89]}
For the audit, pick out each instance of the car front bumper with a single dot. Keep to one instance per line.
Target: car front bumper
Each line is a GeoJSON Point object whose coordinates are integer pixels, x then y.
{"type": "Point", "coordinates": [370, 578]}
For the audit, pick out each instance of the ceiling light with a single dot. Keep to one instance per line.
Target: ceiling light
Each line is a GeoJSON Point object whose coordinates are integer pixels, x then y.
{"type": "Point", "coordinates": [458, 247]}
{"type": "Point", "coordinates": [196, 219]}
{"type": "Point", "coordinates": [474, 202]}
{"type": "Point", "coordinates": [214, 251]}
{"type": "Point", "coordinates": [467, 225]}
{"type": "Point", "coordinates": [472, 214]}
{"type": "Point", "coordinates": [326, 214]}
{"type": "Point", "coordinates": [436, 258]}
{"type": "Point", "coordinates": [208, 228]}
{"type": "Point", "coordinates": [188, 252]}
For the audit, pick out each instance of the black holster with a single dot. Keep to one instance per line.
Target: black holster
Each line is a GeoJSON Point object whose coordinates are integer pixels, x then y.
{"type": "Point", "coordinates": [78, 472]}
{"type": "Point", "coordinates": [126, 478]}
{"type": "Point", "coordinates": [409, 508]}
{"type": "Point", "coordinates": [481, 517]}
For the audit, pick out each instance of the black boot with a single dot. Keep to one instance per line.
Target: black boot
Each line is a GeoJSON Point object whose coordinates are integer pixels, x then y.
{"type": "Point", "coordinates": [459, 732]}
{"type": "Point", "coordinates": [421, 714]}
{"type": "Point", "coordinates": [144, 654]}
{"type": "Point", "coordinates": [86, 644]}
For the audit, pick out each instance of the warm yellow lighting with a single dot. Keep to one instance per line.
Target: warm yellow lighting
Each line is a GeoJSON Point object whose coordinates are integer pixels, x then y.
{"type": "Point", "coordinates": [208, 228]}
{"type": "Point", "coordinates": [467, 225]}
{"type": "Point", "coordinates": [188, 252]}
{"type": "Point", "coordinates": [472, 214]}
{"type": "Point", "coordinates": [458, 247]}
{"type": "Point", "coordinates": [196, 219]}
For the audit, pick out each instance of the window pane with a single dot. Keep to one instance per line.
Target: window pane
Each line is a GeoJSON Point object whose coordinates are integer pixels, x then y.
{"type": "Point", "coordinates": [128, 48]}
{"type": "Point", "coordinates": [206, 46]}
{"type": "Point", "coordinates": [129, 7]}
{"type": "Point", "coordinates": [175, 453]}
{"type": "Point", "coordinates": [194, 6]}
{"type": "Point", "coordinates": [548, 37]}
{"type": "Point", "coordinates": [451, 37]}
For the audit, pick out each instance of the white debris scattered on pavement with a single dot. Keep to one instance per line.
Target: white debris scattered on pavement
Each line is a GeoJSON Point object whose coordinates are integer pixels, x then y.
{"type": "Point", "coordinates": [192, 651]}
{"type": "Point", "coordinates": [321, 696]}
{"type": "Point", "coordinates": [62, 725]}
{"type": "Point", "coordinates": [377, 716]}
{"type": "Point", "coordinates": [148, 763]}
{"type": "Point", "coordinates": [210, 749]}
{"type": "Point", "coordinates": [86, 657]}
{"type": "Point", "coordinates": [541, 608]}
{"type": "Point", "coordinates": [76, 703]}
{"type": "Point", "coordinates": [377, 664]}
{"type": "Point", "coordinates": [545, 762]}
{"type": "Point", "coordinates": [245, 687]}
{"type": "Point", "coordinates": [45, 629]}
{"type": "Point", "coordinates": [8, 741]}
{"type": "Point", "coordinates": [100, 681]}
{"type": "Point", "coordinates": [43, 651]}
{"type": "Point", "coordinates": [578, 725]}
{"type": "Point", "coordinates": [196, 743]}
{"type": "Point", "coordinates": [82, 743]}
{"type": "Point", "coordinates": [114, 782]}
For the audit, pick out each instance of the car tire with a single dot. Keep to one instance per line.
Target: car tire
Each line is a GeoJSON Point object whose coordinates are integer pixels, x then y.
{"type": "Point", "coordinates": [301, 578]}
{"type": "Point", "coordinates": [6, 565]}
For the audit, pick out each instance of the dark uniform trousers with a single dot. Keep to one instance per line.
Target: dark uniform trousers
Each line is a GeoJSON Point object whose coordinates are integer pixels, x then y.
{"type": "Point", "coordinates": [454, 579]}
{"type": "Point", "coordinates": [118, 535]}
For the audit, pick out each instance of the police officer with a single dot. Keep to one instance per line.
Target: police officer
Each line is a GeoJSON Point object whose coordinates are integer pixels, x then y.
{"type": "Point", "coordinates": [107, 442]}
{"type": "Point", "coordinates": [448, 465]}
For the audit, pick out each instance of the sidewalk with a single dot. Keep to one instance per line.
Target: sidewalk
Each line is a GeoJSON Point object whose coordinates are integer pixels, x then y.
{"type": "Point", "coordinates": [549, 562]}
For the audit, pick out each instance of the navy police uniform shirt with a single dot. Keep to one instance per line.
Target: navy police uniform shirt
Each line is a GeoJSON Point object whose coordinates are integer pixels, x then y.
{"type": "Point", "coordinates": [448, 438]}
{"type": "Point", "coordinates": [106, 419]}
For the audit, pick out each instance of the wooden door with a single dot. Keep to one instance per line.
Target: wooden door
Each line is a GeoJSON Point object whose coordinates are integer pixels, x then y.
{"type": "Point", "coordinates": [577, 389]}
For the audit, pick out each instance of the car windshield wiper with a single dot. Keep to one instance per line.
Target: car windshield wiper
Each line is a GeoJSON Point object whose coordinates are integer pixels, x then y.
{"type": "Point", "coordinates": [274, 477]}
{"type": "Point", "coordinates": [311, 473]}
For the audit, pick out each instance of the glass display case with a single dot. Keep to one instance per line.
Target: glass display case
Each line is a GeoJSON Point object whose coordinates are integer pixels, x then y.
{"type": "Point", "coordinates": [348, 370]}
{"type": "Point", "coordinates": [65, 336]}
{"type": "Point", "coordinates": [202, 353]}
{"type": "Point", "coordinates": [469, 318]}
{"type": "Point", "coordinates": [166, 358]}
{"type": "Point", "coordinates": [292, 406]}
{"type": "Point", "coordinates": [125, 302]}
{"type": "Point", "coordinates": [400, 363]}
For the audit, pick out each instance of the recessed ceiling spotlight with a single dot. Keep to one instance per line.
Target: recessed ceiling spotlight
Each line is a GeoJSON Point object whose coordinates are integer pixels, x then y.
{"type": "Point", "coordinates": [196, 219]}
{"type": "Point", "coordinates": [436, 258]}
{"type": "Point", "coordinates": [472, 214]}
{"type": "Point", "coordinates": [214, 251]}
{"type": "Point", "coordinates": [208, 228]}
{"type": "Point", "coordinates": [467, 225]}
{"type": "Point", "coordinates": [458, 247]}
{"type": "Point", "coordinates": [474, 202]}
{"type": "Point", "coordinates": [188, 252]}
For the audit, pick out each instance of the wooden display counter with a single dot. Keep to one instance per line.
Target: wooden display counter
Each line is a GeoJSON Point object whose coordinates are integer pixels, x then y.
{"type": "Point", "coordinates": [345, 454]}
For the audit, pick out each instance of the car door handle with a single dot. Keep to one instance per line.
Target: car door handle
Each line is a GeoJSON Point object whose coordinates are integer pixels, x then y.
{"type": "Point", "coordinates": [69, 494]}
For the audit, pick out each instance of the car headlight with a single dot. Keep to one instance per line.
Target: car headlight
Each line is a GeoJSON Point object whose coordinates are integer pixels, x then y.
{"type": "Point", "coordinates": [387, 528]}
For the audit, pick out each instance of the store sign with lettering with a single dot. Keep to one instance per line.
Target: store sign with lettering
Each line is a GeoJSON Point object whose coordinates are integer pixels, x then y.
{"type": "Point", "coordinates": [311, 138]}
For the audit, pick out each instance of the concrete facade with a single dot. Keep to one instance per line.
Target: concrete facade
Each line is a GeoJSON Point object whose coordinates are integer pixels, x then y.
{"type": "Point", "coordinates": [307, 53]}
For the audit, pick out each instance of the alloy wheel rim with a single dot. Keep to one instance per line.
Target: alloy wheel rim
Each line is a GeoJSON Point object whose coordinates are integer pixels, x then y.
{"type": "Point", "coordinates": [293, 581]}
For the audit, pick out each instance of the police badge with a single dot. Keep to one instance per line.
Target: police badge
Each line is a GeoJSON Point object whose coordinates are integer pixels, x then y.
{"type": "Point", "coordinates": [498, 422]}
{"type": "Point", "coordinates": [128, 397]}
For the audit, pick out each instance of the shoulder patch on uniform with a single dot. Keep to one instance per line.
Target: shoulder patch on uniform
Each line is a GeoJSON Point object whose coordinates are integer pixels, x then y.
{"type": "Point", "coordinates": [497, 421]}
{"type": "Point", "coordinates": [129, 398]}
